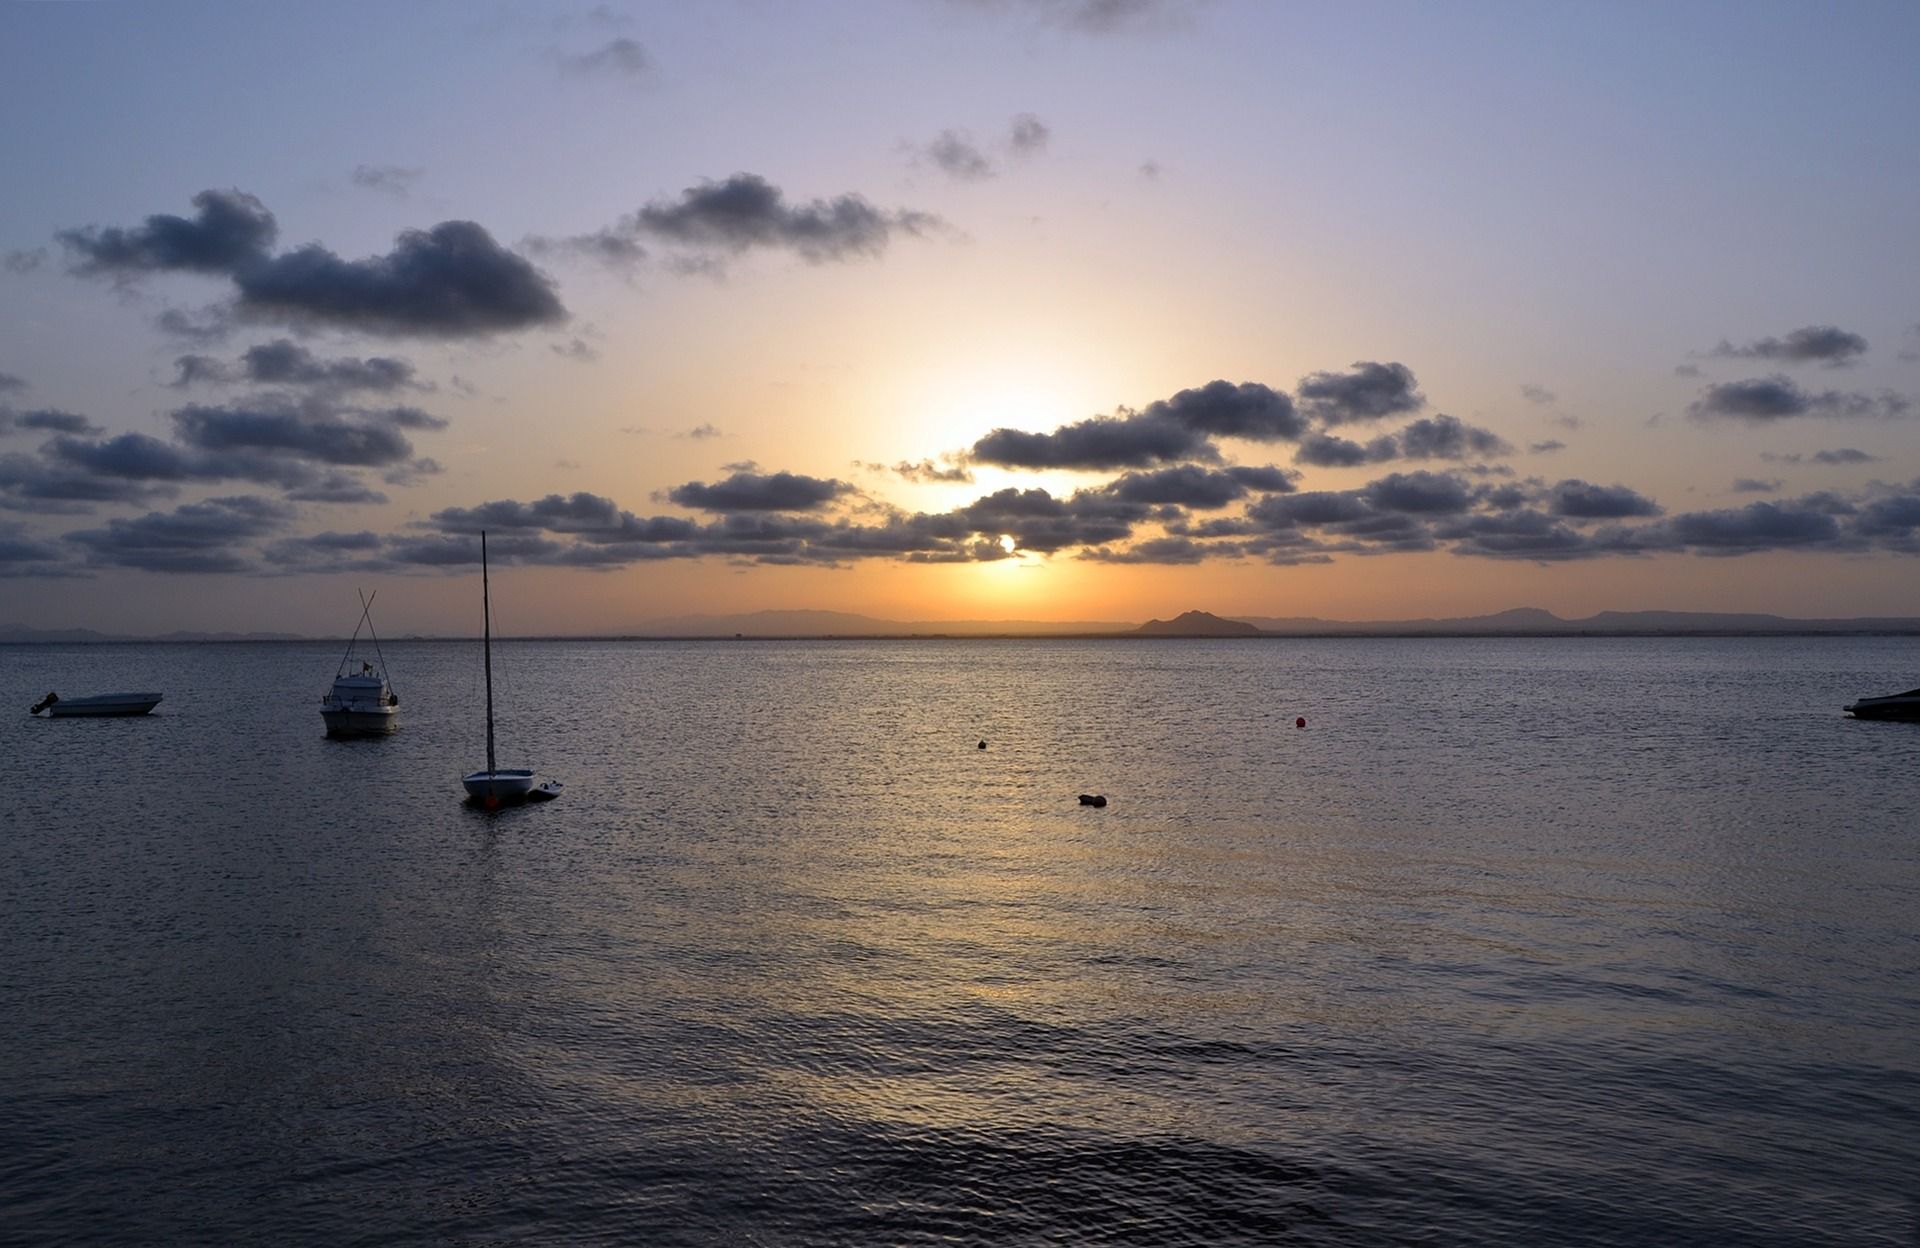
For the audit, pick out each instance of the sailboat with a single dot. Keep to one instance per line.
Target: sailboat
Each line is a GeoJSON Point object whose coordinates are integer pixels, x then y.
{"type": "Point", "coordinates": [497, 786]}
{"type": "Point", "coordinates": [361, 703]}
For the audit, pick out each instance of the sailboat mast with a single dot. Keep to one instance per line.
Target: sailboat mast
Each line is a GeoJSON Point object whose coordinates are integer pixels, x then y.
{"type": "Point", "coordinates": [486, 615]}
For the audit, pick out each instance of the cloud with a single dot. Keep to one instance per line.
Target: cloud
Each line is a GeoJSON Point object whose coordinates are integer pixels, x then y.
{"type": "Point", "coordinates": [1421, 492]}
{"type": "Point", "coordinates": [746, 211]}
{"type": "Point", "coordinates": [196, 537]}
{"type": "Point", "coordinates": [1815, 344]}
{"type": "Point", "coordinates": [1844, 455]}
{"type": "Point", "coordinates": [204, 328]}
{"type": "Point", "coordinates": [23, 555]}
{"type": "Point", "coordinates": [23, 259]}
{"type": "Point", "coordinates": [927, 472]}
{"type": "Point", "coordinates": [1370, 391]}
{"type": "Point", "coordinates": [284, 362]}
{"type": "Point", "coordinates": [750, 491]}
{"type": "Point", "coordinates": [1448, 437]}
{"type": "Point", "coordinates": [395, 180]}
{"type": "Point", "coordinates": [230, 230]}
{"type": "Point", "coordinates": [1166, 550]}
{"type": "Point", "coordinates": [1093, 17]}
{"type": "Point", "coordinates": [1150, 170]}
{"type": "Point", "coordinates": [1205, 489]}
{"type": "Point", "coordinates": [954, 153]}
{"type": "Point", "coordinates": [700, 433]}
{"type": "Point", "coordinates": [1546, 448]}
{"type": "Point", "coordinates": [1755, 527]}
{"type": "Point", "coordinates": [1537, 394]}
{"type": "Point", "coordinates": [1751, 485]}
{"type": "Point", "coordinates": [575, 349]}
{"type": "Point", "coordinates": [1166, 431]}
{"type": "Point", "coordinates": [617, 58]}
{"type": "Point", "coordinates": [1134, 440]}
{"type": "Point", "coordinates": [451, 281]}
{"type": "Point", "coordinates": [1761, 400]}
{"type": "Point", "coordinates": [10, 384]}
{"type": "Point", "coordinates": [347, 438]}
{"type": "Point", "coordinates": [1326, 450]}
{"type": "Point", "coordinates": [1027, 135]}
{"type": "Point", "coordinates": [1578, 500]}
{"type": "Point", "coordinates": [45, 420]}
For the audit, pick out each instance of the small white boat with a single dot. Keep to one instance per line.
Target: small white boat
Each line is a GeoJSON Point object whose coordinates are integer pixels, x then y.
{"type": "Point", "coordinates": [361, 703]}
{"type": "Point", "coordinates": [58, 707]}
{"type": "Point", "coordinates": [498, 786]}
{"type": "Point", "coordinates": [1892, 706]}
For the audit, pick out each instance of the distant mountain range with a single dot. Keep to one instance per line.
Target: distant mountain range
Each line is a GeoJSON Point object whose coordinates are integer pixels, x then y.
{"type": "Point", "coordinates": [1519, 622]}
{"type": "Point", "coordinates": [20, 633]}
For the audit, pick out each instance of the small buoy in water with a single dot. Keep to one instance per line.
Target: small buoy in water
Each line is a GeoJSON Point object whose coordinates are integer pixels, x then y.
{"type": "Point", "coordinates": [983, 745]}
{"type": "Point", "coordinates": [1300, 722]}
{"type": "Point", "coordinates": [1093, 799]}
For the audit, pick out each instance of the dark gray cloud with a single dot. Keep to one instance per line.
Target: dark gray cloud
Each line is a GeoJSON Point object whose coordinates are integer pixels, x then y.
{"type": "Point", "coordinates": [357, 439]}
{"type": "Point", "coordinates": [1166, 431]}
{"type": "Point", "coordinates": [231, 230]}
{"type": "Point", "coordinates": [1753, 485]}
{"type": "Point", "coordinates": [1370, 391]}
{"type": "Point", "coordinates": [1448, 437]}
{"type": "Point", "coordinates": [10, 384]}
{"type": "Point", "coordinates": [336, 487]}
{"type": "Point", "coordinates": [953, 152]}
{"type": "Point", "coordinates": [1762, 400]}
{"type": "Point", "coordinates": [1519, 534]}
{"type": "Point", "coordinates": [1201, 488]}
{"type": "Point", "coordinates": [395, 180]}
{"type": "Point", "coordinates": [1134, 440]}
{"type": "Point", "coordinates": [1027, 135]}
{"type": "Point", "coordinates": [701, 432]}
{"type": "Point", "coordinates": [209, 536]}
{"type": "Point", "coordinates": [746, 211]}
{"type": "Point", "coordinates": [1167, 550]}
{"type": "Point", "coordinates": [43, 420]}
{"type": "Point", "coordinates": [617, 58]}
{"type": "Point", "coordinates": [1222, 409]}
{"type": "Point", "coordinates": [205, 328]}
{"type": "Point", "coordinates": [1844, 455]}
{"type": "Point", "coordinates": [23, 555]}
{"type": "Point", "coordinates": [1755, 527]}
{"type": "Point", "coordinates": [927, 472]}
{"type": "Point", "coordinates": [48, 484]}
{"type": "Point", "coordinates": [750, 491]}
{"type": "Point", "coordinates": [1327, 450]}
{"type": "Point", "coordinates": [1546, 448]}
{"type": "Point", "coordinates": [1815, 344]}
{"type": "Point", "coordinates": [1093, 17]}
{"type": "Point", "coordinates": [451, 281]}
{"type": "Point", "coordinates": [284, 362]}
{"type": "Point", "coordinates": [1421, 493]}
{"type": "Point", "coordinates": [1579, 500]}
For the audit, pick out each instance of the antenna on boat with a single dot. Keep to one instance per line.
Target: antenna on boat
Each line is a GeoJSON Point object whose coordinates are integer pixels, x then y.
{"type": "Point", "coordinates": [486, 616]}
{"type": "Point", "coordinates": [366, 611]}
{"type": "Point", "coordinates": [366, 606]}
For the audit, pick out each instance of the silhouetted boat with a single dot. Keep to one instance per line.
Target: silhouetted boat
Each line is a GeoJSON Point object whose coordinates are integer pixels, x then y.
{"type": "Point", "coordinates": [361, 703]}
{"type": "Point", "coordinates": [1892, 706]}
{"type": "Point", "coordinates": [58, 707]}
{"type": "Point", "coordinates": [497, 786]}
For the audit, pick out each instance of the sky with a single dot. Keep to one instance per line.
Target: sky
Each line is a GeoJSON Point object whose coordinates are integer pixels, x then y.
{"type": "Point", "coordinates": [955, 309]}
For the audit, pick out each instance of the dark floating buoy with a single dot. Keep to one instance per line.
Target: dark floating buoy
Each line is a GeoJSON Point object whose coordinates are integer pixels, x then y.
{"type": "Point", "coordinates": [1093, 799]}
{"type": "Point", "coordinates": [983, 745]}
{"type": "Point", "coordinates": [1300, 722]}
{"type": "Point", "coordinates": [51, 698]}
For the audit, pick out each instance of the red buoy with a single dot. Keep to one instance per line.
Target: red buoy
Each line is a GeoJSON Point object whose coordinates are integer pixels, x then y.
{"type": "Point", "coordinates": [1300, 722]}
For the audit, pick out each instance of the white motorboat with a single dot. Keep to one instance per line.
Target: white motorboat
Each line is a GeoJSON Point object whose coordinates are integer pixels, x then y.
{"type": "Point", "coordinates": [498, 786]}
{"type": "Point", "coordinates": [1892, 706]}
{"type": "Point", "coordinates": [362, 702]}
{"type": "Point", "coordinates": [58, 707]}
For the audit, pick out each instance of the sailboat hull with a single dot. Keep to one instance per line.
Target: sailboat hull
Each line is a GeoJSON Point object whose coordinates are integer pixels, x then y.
{"type": "Point", "coordinates": [504, 785]}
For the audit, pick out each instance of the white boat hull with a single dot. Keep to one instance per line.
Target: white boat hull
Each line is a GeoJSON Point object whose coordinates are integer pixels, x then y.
{"type": "Point", "coordinates": [104, 704]}
{"type": "Point", "coordinates": [504, 785]}
{"type": "Point", "coordinates": [369, 722]}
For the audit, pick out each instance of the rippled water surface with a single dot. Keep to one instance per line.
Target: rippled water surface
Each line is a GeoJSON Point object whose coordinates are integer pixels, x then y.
{"type": "Point", "coordinates": [1541, 941]}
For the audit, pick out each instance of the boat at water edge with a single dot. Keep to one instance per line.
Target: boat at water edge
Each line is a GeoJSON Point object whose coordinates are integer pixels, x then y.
{"type": "Point", "coordinates": [498, 786]}
{"type": "Point", "coordinates": [95, 705]}
{"type": "Point", "coordinates": [1891, 706]}
{"type": "Point", "coordinates": [361, 703]}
